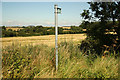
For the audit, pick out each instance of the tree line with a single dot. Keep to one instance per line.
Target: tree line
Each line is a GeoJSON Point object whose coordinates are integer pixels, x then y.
{"type": "Point", "coordinates": [39, 30]}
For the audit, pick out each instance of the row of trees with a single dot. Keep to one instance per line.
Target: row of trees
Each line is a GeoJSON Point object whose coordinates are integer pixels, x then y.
{"type": "Point", "coordinates": [39, 30]}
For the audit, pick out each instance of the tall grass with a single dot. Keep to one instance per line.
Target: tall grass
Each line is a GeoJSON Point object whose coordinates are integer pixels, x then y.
{"type": "Point", "coordinates": [38, 61]}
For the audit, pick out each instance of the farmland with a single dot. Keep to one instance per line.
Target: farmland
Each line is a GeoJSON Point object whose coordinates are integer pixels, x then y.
{"type": "Point", "coordinates": [38, 31]}
{"type": "Point", "coordinates": [33, 57]}
{"type": "Point", "coordinates": [14, 28]}
{"type": "Point", "coordinates": [47, 39]}
{"type": "Point", "coordinates": [89, 48]}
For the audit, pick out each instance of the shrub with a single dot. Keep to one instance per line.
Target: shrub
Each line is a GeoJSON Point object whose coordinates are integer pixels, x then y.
{"type": "Point", "coordinates": [38, 61]}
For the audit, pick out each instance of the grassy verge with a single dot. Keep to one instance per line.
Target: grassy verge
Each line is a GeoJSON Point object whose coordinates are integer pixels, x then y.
{"type": "Point", "coordinates": [38, 61]}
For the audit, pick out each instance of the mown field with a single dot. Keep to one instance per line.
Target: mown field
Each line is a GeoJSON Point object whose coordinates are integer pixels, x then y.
{"type": "Point", "coordinates": [13, 28]}
{"type": "Point", "coordinates": [34, 57]}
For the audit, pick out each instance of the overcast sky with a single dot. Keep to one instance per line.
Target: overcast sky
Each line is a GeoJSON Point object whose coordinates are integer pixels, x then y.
{"type": "Point", "coordinates": [41, 13]}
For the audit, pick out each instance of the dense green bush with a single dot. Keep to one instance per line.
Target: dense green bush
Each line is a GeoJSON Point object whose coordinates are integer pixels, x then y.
{"type": "Point", "coordinates": [97, 39]}
{"type": "Point", "coordinates": [8, 33]}
{"type": "Point", "coordinates": [76, 30]}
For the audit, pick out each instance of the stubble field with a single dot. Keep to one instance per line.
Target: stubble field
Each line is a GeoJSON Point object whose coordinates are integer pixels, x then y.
{"type": "Point", "coordinates": [47, 39]}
